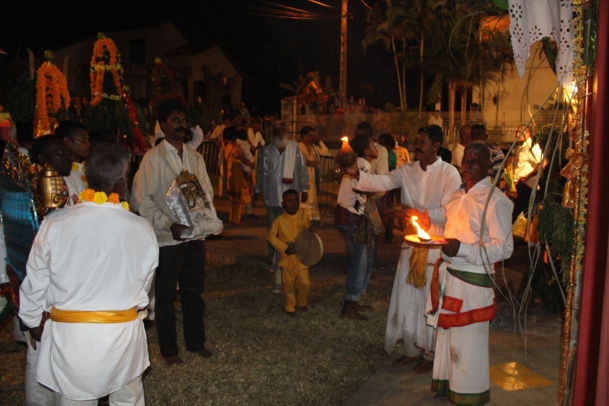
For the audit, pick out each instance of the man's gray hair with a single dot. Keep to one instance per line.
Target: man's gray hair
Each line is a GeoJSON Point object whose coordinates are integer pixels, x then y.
{"type": "Point", "coordinates": [106, 165]}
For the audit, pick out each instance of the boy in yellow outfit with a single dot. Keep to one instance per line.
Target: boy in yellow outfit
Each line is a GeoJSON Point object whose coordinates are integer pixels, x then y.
{"type": "Point", "coordinates": [281, 236]}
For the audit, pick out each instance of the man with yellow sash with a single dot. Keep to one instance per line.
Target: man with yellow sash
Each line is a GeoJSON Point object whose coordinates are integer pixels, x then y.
{"type": "Point", "coordinates": [90, 268]}
{"type": "Point", "coordinates": [426, 186]}
{"type": "Point", "coordinates": [461, 301]}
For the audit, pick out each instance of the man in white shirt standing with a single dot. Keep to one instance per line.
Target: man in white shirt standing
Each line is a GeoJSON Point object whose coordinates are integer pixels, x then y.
{"type": "Point", "coordinates": [181, 259]}
{"type": "Point", "coordinates": [89, 270]}
{"type": "Point", "coordinates": [426, 186]}
{"type": "Point", "coordinates": [461, 300]}
{"type": "Point", "coordinates": [527, 162]}
{"type": "Point", "coordinates": [465, 137]}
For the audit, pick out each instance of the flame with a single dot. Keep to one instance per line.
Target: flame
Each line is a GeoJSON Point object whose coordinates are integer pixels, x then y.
{"type": "Point", "coordinates": [420, 232]}
{"type": "Point", "coordinates": [345, 141]}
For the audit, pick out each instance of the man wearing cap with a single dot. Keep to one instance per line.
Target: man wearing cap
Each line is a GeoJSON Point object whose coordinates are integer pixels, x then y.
{"type": "Point", "coordinates": [90, 267]}
{"type": "Point", "coordinates": [426, 186]}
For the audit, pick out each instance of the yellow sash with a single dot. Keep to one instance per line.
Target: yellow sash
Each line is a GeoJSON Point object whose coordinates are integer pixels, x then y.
{"type": "Point", "coordinates": [75, 316]}
{"type": "Point", "coordinates": [417, 275]}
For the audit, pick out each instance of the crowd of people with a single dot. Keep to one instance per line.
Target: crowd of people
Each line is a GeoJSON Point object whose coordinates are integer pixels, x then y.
{"type": "Point", "coordinates": [442, 298]}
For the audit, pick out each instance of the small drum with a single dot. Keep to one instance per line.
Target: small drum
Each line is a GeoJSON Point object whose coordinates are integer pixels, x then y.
{"type": "Point", "coordinates": [309, 248]}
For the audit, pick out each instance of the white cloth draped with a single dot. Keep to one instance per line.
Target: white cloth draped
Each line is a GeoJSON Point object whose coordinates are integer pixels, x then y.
{"type": "Point", "coordinates": [531, 20]}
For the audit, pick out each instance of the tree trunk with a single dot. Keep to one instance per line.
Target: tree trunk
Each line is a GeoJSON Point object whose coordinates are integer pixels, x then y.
{"type": "Point", "coordinates": [451, 103]}
{"type": "Point", "coordinates": [400, 77]}
{"type": "Point", "coordinates": [463, 106]}
{"type": "Point", "coordinates": [422, 87]}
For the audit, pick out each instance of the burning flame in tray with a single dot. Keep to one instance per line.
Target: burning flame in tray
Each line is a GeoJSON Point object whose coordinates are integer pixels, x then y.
{"type": "Point", "coordinates": [423, 236]}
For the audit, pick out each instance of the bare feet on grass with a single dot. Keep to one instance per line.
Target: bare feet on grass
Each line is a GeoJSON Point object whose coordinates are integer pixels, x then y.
{"type": "Point", "coordinates": [423, 367]}
{"type": "Point", "coordinates": [402, 361]}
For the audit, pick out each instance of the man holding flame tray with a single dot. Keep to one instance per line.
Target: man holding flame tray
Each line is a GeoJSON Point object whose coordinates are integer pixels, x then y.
{"type": "Point", "coordinates": [426, 186]}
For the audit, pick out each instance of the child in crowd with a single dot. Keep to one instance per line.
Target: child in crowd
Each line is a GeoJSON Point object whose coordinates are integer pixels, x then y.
{"type": "Point", "coordinates": [282, 236]}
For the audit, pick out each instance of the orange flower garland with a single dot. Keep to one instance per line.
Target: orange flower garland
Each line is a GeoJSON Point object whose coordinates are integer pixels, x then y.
{"type": "Point", "coordinates": [104, 48]}
{"type": "Point", "coordinates": [51, 94]}
{"type": "Point", "coordinates": [91, 195]}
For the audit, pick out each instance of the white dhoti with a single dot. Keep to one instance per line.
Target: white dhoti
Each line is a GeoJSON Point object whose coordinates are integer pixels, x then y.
{"type": "Point", "coordinates": [461, 366]}
{"type": "Point", "coordinates": [406, 317]}
{"type": "Point", "coordinates": [466, 304]}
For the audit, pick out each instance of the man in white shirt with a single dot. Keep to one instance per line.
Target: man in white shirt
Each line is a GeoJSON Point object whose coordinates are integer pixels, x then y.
{"type": "Point", "coordinates": [527, 162]}
{"type": "Point", "coordinates": [465, 137]}
{"type": "Point", "coordinates": [351, 220]}
{"type": "Point", "coordinates": [181, 259]}
{"type": "Point", "coordinates": [461, 300]}
{"type": "Point", "coordinates": [426, 186]}
{"type": "Point", "coordinates": [90, 267]}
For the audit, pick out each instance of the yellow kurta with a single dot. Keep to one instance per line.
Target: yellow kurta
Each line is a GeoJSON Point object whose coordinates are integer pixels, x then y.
{"type": "Point", "coordinates": [295, 275]}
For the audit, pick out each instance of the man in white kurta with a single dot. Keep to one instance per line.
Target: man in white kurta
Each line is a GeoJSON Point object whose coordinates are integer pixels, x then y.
{"type": "Point", "coordinates": [461, 301]}
{"type": "Point", "coordinates": [426, 185]}
{"type": "Point", "coordinates": [90, 259]}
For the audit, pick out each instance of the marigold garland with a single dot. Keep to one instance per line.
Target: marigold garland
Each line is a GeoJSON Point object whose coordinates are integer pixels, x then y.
{"type": "Point", "coordinates": [91, 195]}
{"type": "Point", "coordinates": [51, 91]}
{"type": "Point", "coordinates": [104, 49]}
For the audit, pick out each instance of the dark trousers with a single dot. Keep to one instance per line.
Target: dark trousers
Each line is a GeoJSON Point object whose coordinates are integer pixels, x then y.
{"type": "Point", "coordinates": [521, 203]}
{"type": "Point", "coordinates": [183, 263]}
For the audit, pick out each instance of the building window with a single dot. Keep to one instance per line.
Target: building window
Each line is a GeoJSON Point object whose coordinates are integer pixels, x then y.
{"type": "Point", "coordinates": [137, 51]}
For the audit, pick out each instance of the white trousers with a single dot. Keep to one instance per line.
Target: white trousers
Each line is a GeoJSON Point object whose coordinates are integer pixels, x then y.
{"type": "Point", "coordinates": [131, 394]}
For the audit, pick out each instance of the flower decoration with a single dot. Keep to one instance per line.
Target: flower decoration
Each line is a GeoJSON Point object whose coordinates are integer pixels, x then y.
{"type": "Point", "coordinates": [51, 95]}
{"type": "Point", "coordinates": [100, 198]}
{"type": "Point", "coordinates": [91, 195]}
{"type": "Point", "coordinates": [105, 58]}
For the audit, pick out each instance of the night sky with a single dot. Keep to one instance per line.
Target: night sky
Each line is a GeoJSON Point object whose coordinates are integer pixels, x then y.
{"type": "Point", "coordinates": [248, 30]}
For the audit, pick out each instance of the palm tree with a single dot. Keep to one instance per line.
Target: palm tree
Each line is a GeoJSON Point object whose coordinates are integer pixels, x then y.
{"type": "Point", "coordinates": [464, 55]}
{"type": "Point", "coordinates": [389, 23]}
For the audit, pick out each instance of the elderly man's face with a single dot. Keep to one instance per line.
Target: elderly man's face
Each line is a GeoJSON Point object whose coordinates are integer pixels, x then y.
{"type": "Point", "coordinates": [474, 167]}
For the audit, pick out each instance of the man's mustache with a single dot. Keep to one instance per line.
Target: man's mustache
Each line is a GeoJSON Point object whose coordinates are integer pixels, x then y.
{"type": "Point", "coordinates": [418, 150]}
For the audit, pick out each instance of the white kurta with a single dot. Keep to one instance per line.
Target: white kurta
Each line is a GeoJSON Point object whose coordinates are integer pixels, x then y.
{"type": "Point", "coordinates": [90, 257]}
{"type": "Point", "coordinates": [75, 182]}
{"type": "Point", "coordinates": [461, 370]}
{"type": "Point", "coordinates": [431, 190]}
{"type": "Point", "coordinates": [528, 156]}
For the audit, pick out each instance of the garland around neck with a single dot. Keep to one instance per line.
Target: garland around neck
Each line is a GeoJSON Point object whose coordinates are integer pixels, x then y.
{"type": "Point", "coordinates": [91, 195]}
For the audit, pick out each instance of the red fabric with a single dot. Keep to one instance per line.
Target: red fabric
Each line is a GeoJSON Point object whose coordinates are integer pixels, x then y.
{"type": "Point", "coordinates": [466, 318]}
{"type": "Point", "coordinates": [592, 363]}
{"type": "Point", "coordinates": [452, 304]}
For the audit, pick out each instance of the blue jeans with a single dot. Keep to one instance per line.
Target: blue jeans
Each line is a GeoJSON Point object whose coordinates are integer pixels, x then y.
{"type": "Point", "coordinates": [361, 259]}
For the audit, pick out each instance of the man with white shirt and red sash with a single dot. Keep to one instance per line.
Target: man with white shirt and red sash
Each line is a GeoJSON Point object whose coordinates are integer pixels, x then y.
{"type": "Point", "coordinates": [90, 268]}
{"type": "Point", "coordinates": [461, 301]}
